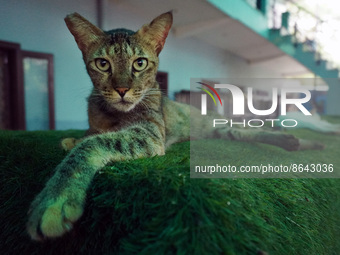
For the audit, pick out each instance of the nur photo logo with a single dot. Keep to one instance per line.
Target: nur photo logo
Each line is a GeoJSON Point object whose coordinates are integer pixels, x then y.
{"type": "Point", "coordinates": [280, 100]}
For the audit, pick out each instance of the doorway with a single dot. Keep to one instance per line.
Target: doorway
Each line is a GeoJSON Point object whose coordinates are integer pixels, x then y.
{"type": "Point", "coordinates": [11, 89]}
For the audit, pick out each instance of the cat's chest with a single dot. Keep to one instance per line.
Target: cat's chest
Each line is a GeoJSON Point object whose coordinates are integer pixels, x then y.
{"type": "Point", "coordinates": [102, 121]}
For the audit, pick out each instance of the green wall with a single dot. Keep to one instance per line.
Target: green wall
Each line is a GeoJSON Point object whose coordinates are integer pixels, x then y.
{"type": "Point", "coordinates": [245, 13]}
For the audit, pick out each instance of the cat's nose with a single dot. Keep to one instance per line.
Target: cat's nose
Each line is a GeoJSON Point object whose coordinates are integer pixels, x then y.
{"type": "Point", "coordinates": [122, 91]}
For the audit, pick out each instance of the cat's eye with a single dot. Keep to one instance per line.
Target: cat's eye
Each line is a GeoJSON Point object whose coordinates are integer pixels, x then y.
{"type": "Point", "coordinates": [140, 64]}
{"type": "Point", "coordinates": [102, 64]}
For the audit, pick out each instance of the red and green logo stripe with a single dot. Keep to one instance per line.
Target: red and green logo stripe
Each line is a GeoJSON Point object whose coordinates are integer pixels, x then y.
{"type": "Point", "coordinates": [208, 92]}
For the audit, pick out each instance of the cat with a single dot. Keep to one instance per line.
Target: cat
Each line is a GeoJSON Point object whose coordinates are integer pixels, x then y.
{"type": "Point", "coordinates": [128, 119]}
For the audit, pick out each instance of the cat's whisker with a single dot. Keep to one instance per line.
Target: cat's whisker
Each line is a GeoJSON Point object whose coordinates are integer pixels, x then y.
{"type": "Point", "coordinates": [145, 105]}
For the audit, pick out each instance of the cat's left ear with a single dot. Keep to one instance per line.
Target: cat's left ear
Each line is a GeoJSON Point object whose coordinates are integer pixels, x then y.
{"type": "Point", "coordinates": [157, 31]}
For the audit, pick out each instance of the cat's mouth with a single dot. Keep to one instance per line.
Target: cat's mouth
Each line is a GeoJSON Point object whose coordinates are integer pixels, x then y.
{"type": "Point", "coordinates": [122, 104]}
{"type": "Point", "coordinates": [123, 101]}
{"type": "Point", "coordinates": [126, 100]}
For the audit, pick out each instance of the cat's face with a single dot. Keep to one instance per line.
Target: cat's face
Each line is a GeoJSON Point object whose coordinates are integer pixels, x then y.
{"type": "Point", "coordinates": [122, 64]}
{"type": "Point", "coordinates": [122, 70]}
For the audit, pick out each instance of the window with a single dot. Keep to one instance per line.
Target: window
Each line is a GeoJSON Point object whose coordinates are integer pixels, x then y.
{"type": "Point", "coordinates": [38, 90]}
{"type": "Point", "coordinates": [26, 89]}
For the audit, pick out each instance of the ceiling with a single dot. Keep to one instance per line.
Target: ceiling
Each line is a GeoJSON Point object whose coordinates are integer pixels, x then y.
{"type": "Point", "coordinates": [202, 21]}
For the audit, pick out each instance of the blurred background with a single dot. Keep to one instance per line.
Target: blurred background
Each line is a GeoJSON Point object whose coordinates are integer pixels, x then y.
{"type": "Point", "coordinates": [44, 84]}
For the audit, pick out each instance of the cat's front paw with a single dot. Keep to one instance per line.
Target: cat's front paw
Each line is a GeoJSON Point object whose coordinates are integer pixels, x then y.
{"type": "Point", "coordinates": [52, 217]}
{"type": "Point", "coordinates": [68, 143]}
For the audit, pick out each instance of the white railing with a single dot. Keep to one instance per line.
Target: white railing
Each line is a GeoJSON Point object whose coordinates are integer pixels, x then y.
{"type": "Point", "coordinates": [316, 34]}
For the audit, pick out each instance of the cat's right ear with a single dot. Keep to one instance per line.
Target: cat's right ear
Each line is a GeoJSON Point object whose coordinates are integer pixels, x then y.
{"type": "Point", "coordinates": [84, 32]}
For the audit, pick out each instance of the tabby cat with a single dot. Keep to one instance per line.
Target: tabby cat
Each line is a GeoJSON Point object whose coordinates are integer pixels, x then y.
{"type": "Point", "coordinates": [128, 119]}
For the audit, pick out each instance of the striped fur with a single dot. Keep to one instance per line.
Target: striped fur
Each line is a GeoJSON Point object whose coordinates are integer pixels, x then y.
{"type": "Point", "coordinates": [128, 119]}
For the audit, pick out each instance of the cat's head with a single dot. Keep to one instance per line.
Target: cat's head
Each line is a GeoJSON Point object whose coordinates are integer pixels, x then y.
{"type": "Point", "coordinates": [122, 64]}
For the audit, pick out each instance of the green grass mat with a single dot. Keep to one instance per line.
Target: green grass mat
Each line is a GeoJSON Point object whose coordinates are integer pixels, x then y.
{"type": "Point", "coordinates": [151, 206]}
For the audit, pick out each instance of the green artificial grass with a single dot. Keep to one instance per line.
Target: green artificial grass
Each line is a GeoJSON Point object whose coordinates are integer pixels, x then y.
{"type": "Point", "coordinates": [152, 206]}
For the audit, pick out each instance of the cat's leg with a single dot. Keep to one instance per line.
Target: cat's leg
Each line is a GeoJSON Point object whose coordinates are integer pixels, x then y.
{"type": "Point", "coordinates": [61, 202]}
{"type": "Point", "coordinates": [283, 140]}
